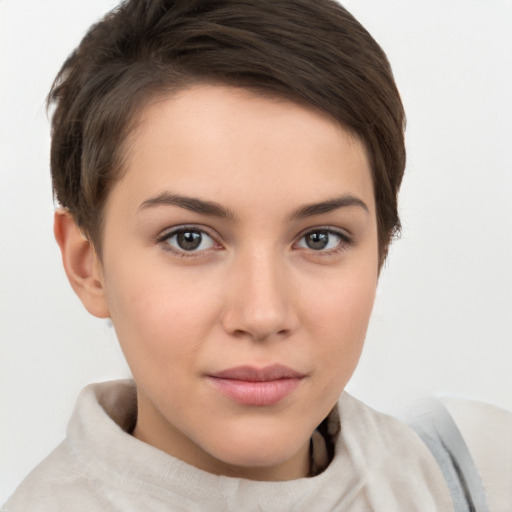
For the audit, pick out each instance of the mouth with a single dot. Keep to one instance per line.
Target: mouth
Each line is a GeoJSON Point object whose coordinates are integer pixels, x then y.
{"type": "Point", "coordinates": [259, 387]}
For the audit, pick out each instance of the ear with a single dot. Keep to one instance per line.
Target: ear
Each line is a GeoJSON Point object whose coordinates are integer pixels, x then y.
{"type": "Point", "coordinates": [81, 264]}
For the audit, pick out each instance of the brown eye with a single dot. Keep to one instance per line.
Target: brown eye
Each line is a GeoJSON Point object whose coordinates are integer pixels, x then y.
{"type": "Point", "coordinates": [189, 240]}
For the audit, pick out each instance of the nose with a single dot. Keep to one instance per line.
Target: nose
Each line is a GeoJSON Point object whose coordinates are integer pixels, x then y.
{"type": "Point", "coordinates": [259, 305]}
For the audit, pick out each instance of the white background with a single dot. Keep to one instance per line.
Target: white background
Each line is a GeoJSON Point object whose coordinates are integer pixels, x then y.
{"type": "Point", "coordinates": [443, 319]}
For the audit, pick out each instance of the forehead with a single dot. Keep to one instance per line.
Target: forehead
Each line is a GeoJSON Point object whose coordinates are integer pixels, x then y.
{"type": "Point", "coordinates": [237, 145]}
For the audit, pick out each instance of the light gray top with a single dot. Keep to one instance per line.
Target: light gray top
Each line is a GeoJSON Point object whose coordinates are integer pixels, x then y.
{"type": "Point", "coordinates": [380, 464]}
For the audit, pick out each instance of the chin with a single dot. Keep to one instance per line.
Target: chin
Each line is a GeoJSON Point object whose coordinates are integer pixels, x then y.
{"type": "Point", "coordinates": [260, 454]}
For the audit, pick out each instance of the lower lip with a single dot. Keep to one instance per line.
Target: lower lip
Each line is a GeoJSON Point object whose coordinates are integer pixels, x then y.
{"type": "Point", "coordinates": [256, 393]}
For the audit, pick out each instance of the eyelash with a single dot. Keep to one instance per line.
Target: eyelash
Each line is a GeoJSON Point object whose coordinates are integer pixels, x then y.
{"type": "Point", "coordinates": [163, 241]}
{"type": "Point", "coordinates": [345, 241]}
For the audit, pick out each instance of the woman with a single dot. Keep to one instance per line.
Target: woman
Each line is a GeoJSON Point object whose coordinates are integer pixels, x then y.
{"type": "Point", "coordinates": [297, 157]}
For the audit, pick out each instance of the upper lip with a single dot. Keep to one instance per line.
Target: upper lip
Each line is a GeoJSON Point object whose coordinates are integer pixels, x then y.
{"type": "Point", "coordinates": [253, 374]}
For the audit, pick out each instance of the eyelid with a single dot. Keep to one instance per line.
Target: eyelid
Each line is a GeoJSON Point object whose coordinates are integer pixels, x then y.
{"type": "Point", "coordinates": [347, 239]}
{"type": "Point", "coordinates": [174, 230]}
{"type": "Point", "coordinates": [344, 233]}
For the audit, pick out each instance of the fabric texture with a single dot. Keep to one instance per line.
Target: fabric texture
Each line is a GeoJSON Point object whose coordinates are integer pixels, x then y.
{"type": "Point", "coordinates": [487, 432]}
{"type": "Point", "coordinates": [436, 427]}
{"type": "Point", "coordinates": [380, 464]}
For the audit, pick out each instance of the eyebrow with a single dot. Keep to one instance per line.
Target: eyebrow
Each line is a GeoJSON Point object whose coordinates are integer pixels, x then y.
{"type": "Point", "coordinates": [323, 207]}
{"type": "Point", "coordinates": [214, 209]}
{"type": "Point", "coordinates": [189, 203]}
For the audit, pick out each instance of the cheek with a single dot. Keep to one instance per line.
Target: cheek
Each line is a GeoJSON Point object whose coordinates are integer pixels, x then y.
{"type": "Point", "coordinates": [160, 315]}
{"type": "Point", "coordinates": [342, 301]}
{"type": "Point", "coordinates": [339, 317]}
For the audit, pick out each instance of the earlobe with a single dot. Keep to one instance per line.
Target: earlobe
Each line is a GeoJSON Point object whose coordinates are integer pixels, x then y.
{"type": "Point", "coordinates": [81, 264]}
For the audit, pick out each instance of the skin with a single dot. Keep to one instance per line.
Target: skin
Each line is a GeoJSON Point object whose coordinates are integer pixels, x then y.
{"type": "Point", "coordinates": [254, 293]}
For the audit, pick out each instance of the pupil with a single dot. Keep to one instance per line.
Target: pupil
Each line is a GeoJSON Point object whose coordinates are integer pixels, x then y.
{"type": "Point", "coordinates": [189, 240]}
{"type": "Point", "coordinates": [317, 240]}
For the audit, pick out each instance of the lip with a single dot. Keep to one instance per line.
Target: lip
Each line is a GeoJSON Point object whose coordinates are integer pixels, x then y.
{"type": "Point", "coordinates": [259, 387]}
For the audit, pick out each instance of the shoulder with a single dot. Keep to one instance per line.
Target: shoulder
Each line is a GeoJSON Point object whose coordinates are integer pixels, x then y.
{"type": "Point", "coordinates": [68, 479]}
{"type": "Point", "coordinates": [487, 432]}
{"type": "Point", "coordinates": [398, 467]}
{"type": "Point", "coordinates": [59, 475]}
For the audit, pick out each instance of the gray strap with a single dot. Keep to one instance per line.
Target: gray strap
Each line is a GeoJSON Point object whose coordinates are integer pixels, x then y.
{"type": "Point", "coordinates": [436, 427]}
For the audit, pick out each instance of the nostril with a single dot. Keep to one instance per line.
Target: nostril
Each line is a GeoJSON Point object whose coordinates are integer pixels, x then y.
{"type": "Point", "coordinates": [260, 335]}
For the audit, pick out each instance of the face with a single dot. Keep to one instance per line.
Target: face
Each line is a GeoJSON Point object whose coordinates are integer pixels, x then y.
{"type": "Point", "coordinates": [239, 268]}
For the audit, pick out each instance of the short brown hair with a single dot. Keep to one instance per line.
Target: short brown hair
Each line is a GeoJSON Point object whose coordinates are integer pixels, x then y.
{"type": "Point", "coordinates": [304, 50]}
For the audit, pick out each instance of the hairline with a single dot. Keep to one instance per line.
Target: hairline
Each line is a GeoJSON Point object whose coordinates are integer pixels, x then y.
{"type": "Point", "coordinates": [152, 94]}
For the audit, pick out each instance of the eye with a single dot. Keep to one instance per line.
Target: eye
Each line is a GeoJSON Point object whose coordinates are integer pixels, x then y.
{"type": "Point", "coordinates": [188, 240]}
{"type": "Point", "coordinates": [323, 240]}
